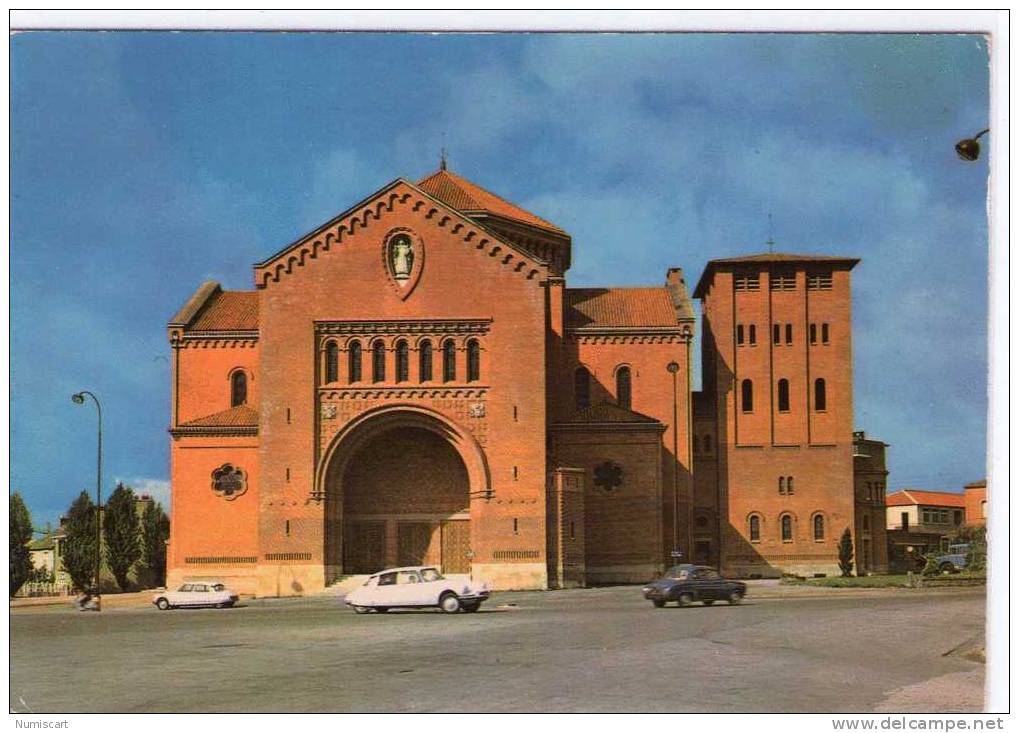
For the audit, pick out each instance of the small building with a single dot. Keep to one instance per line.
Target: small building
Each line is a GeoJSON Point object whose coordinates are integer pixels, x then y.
{"type": "Point", "coordinates": [46, 553]}
{"type": "Point", "coordinates": [919, 522]}
{"type": "Point", "coordinates": [870, 479]}
{"type": "Point", "coordinates": [975, 494]}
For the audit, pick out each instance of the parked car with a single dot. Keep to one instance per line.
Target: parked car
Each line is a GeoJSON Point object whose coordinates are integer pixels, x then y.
{"type": "Point", "coordinates": [416, 587]}
{"type": "Point", "coordinates": [194, 595]}
{"type": "Point", "coordinates": [954, 560]}
{"type": "Point", "coordinates": [685, 584]}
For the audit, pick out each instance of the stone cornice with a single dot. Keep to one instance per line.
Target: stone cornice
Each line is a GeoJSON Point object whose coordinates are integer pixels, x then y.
{"type": "Point", "coordinates": [430, 326]}
{"type": "Point", "coordinates": [386, 200]}
{"type": "Point", "coordinates": [649, 335]}
{"type": "Point", "coordinates": [215, 339]}
{"type": "Point", "coordinates": [190, 431]}
{"type": "Point", "coordinates": [404, 392]}
{"type": "Point", "coordinates": [600, 427]}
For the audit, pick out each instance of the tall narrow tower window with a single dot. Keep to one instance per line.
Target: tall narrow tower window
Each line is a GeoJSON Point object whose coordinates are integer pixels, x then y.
{"type": "Point", "coordinates": [776, 334]}
{"type": "Point", "coordinates": [623, 387]}
{"type": "Point", "coordinates": [425, 361]}
{"type": "Point", "coordinates": [755, 528]}
{"type": "Point", "coordinates": [582, 388]}
{"type": "Point", "coordinates": [354, 362]}
{"type": "Point", "coordinates": [473, 360]}
{"type": "Point", "coordinates": [820, 395]}
{"type": "Point", "coordinates": [332, 362]}
{"type": "Point", "coordinates": [824, 333]}
{"type": "Point", "coordinates": [813, 333]}
{"type": "Point", "coordinates": [402, 362]}
{"type": "Point", "coordinates": [788, 333]}
{"type": "Point", "coordinates": [448, 361]}
{"type": "Point", "coordinates": [787, 528]}
{"type": "Point", "coordinates": [818, 527]}
{"type": "Point", "coordinates": [747, 395]}
{"type": "Point", "coordinates": [739, 334]}
{"type": "Point", "coordinates": [378, 362]}
{"type": "Point", "coordinates": [783, 395]}
{"type": "Point", "coordinates": [238, 388]}
{"type": "Point", "coordinates": [753, 335]}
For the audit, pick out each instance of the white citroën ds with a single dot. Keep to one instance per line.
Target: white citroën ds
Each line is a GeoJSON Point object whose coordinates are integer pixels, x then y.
{"type": "Point", "coordinates": [417, 587]}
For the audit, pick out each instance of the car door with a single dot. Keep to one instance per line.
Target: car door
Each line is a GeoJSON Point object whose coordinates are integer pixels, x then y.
{"type": "Point", "coordinates": [410, 590]}
{"type": "Point", "coordinates": [180, 596]}
{"type": "Point", "coordinates": [199, 595]}
{"type": "Point", "coordinates": [708, 584]}
{"type": "Point", "coordinates": [385, 592]}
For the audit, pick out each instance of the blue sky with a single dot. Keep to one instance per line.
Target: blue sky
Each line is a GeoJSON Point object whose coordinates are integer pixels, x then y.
{"type": "Point", "coordinates": [145, 163]}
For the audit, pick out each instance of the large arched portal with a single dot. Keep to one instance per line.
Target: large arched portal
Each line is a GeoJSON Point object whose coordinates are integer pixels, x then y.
{"type": "Point", "coordinates": [398, 487]}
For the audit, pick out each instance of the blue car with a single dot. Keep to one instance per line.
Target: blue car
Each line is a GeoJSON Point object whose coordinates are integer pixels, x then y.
{"type": "Point", "coordinates": [686, 584]}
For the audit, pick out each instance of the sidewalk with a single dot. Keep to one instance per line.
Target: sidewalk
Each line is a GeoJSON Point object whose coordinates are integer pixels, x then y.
{"type": "Point", "coordinates": [111, 600]}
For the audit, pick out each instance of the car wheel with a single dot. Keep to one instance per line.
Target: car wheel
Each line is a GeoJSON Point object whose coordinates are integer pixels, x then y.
{"type": "Point", "coordinates": [709, 602]}
{"type": "Point", "coordinates": [947, 567]}
{"type": "Point", "coordinates": [162, 604]}
{"type": "Point", "coordinates": [735, 598]}
{"type": "Point", "coordinates": [658, 603]}
{"type": "Point", "coordinates": [381, 609]}
{"type": "Point", "coordinates": [685, 599]}
{"type": "Point", "coordinates": [472, 607]}
{"type": "Point", "coordinates": [449, 603]}
{"type": "Point", "coordinates": [360, 609]}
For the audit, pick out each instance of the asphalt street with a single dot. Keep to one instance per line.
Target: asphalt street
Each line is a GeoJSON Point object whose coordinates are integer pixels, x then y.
{"type": "Point", "coordinates": [601, 649]}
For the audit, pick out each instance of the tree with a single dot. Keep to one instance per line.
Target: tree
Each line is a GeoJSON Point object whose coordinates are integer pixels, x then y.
{"type": "Point", "coordinates": [976, 558]}
{"type": "Point", "coordinates": [20, 536]}
{"type": "Point", "coordinates": [155, 531]}
{"type": "Point", "coordinates": [846, 554]}
{"type": "Point", "coordinates": [79, 546]}
{"type": "Point", "coordinates": [122, 532]}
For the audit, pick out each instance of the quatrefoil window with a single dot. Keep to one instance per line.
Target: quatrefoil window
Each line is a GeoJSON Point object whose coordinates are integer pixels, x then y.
{"type": "Point", "coordinates": [229, 481]}
{"type": "Point", "coordinates": [608, 476]}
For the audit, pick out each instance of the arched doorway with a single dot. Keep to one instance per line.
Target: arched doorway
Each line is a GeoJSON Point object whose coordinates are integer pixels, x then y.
{"type": "Point", "coordinates": [398, 485]}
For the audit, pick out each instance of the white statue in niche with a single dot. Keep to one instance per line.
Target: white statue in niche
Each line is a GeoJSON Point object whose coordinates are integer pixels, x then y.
{"type": "Point", "coordinates": [402, 257]}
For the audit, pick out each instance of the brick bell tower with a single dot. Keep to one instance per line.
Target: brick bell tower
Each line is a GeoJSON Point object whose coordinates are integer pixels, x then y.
{"type": "Point", "coordinates": [774, 423]}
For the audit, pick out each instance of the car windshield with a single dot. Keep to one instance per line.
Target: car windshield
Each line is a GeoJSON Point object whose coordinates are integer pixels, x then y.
{"type": "Point", "coordinates": [430, 574]}
{"type": "Point", "coordinates": [677, 572]}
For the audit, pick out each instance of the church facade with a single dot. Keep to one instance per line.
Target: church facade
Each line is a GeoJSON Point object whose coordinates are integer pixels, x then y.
{"type": "Point", "coordinates": [414, 383]}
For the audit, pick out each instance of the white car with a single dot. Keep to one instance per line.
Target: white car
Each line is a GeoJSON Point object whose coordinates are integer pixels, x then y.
{"type": "Point", "coordinates": [196, 594]}
{"type": "Point", "coordinates": [417, 587]}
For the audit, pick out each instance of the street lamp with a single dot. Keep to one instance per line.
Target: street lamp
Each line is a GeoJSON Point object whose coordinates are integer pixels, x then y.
{"type": "Point", "coordinates": [673, 368]}
{"type": "Point", "coordinates": [79, 399]}
{"type": "Point", "coordinates": [969, 149]}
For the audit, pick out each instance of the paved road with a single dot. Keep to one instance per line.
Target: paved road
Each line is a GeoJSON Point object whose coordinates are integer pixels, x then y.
{"type": "Point", "coordinates": [602, 649]}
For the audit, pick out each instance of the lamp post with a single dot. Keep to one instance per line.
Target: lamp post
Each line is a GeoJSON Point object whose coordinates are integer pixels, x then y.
{"type": "Point", "coordinates": [673, 368]}
{"type": "Point", "coordinates": [79, 399]}
{"type": "Point", "coordinates": [969, 148]}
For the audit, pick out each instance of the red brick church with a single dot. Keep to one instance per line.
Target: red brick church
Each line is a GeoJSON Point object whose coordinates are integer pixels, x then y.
{"type": "Point", "coordinates": [413, 382]}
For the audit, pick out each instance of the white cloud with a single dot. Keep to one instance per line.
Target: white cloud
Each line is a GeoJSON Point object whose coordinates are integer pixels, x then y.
{"type": "Point", "coordinates": [157, 488]}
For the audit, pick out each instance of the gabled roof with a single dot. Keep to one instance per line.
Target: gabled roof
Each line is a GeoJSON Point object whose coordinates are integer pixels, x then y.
{"type": "Point", "coordinates": [229, 310]}
{"type": "Point", "coordinates": [917, 497]}
{"type": "Point", "coordinates": [235, 417]}
{"type": "Point", "coordinates": [469, 198]}
{"type": "Point", "coordinates": [359, 214]}
{"type": "Point", "coordinates": [619, 308]}
{"type": "Point", "coordinates": [213, 309]}
{"type": "Point", "coordinates": [764, 258]}
{"type": "Point", "coordinates": [610, 417]}
{"type": "Point", "coordinates": [47, 541]}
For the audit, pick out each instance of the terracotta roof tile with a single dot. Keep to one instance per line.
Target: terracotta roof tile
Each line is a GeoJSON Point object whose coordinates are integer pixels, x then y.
{"type": "Point", "coordinates": [228, 310]}
{"type": "Point", "coordinates": [619, 307]}
{"type": "Point", "coordinates": [241, 416]}
{"type": "Point", "coordinates": [466, 197]}
{"type": "Point", "coordinates": [911, 497]}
